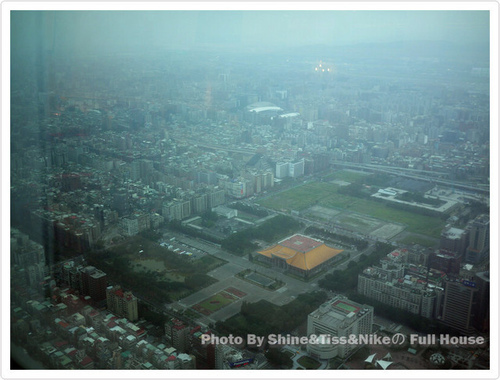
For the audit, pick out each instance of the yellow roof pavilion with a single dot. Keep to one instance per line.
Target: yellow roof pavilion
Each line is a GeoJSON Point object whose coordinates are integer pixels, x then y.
{"type": "Point", "coordinates": [299, 259]}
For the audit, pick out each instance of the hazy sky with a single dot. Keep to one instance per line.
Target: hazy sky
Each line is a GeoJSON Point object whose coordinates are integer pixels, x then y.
{"type": "Point", "coordinates": [100, 30]}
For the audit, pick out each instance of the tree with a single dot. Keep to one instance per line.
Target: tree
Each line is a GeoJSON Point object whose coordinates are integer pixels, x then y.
{"type": "Point", "coordinates": [351, 264]}
{"type": "Point", "coordinates": [197, 280]}
{"type": "Point", "coordinates": [279, 358]}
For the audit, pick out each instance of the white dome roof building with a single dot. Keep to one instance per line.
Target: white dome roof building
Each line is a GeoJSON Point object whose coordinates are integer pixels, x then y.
{"type": "Point", "coordinates": [262, 112]}
{"type": "Point", "coordinates": [260, 107]}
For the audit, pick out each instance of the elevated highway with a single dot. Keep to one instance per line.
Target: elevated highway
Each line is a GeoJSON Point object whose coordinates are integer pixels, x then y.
{"type": "Point", "coordinates": [416, 174]}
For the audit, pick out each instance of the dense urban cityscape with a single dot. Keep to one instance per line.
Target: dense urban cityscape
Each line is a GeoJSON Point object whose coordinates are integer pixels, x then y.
{"type": "Point", "coordinates": [208, 209]}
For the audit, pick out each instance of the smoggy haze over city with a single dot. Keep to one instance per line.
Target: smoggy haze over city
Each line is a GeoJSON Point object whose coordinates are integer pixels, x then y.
{"type": "Point", "coordinates": [102, 31]}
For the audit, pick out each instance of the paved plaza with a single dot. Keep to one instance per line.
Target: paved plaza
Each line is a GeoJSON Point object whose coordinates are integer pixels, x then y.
{"type": "Point", "coordinates": [225, 275]}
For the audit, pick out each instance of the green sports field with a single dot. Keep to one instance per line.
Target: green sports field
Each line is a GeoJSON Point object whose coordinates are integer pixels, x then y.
{"type": "Point", "coordinates": [301, 197]}
{"type": "Point", "coordinates": [326, 195]}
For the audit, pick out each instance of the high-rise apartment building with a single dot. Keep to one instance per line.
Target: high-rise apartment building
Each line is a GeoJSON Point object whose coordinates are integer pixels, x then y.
{"type": "Point", "coordinates": [216, 197]}
{"type": "Point", "coordinates": [409, 287]}
{"type": "Point", "coordinates": [122, 303]}
{"type": "Point", "coordinates": [445, 261]}
{"type": "Point", "coordinates": [239, 188]}
{"type": "Point", "coordinates": [94, 283]}
{"type": "Point", "coordinates": [479, 239]}
{"type": "Point", "coordinates": [296, 169]}
{"type": "Point", "coordinates": [199, 203]}
{"type": "Point", "coordinates": [176, 209]}
{"type": "Point", "coordinates": [460, 304]}
{"type": "Point", "coordinates": [267, 180]}
{"type": "Point", "coordinates": [35, 274]}
{"type": "Point", "coordinates": [454, 240]}
{"type": "Point", "coordinates": [178, 333]}
{"type": "Point", "coordinates": [482, 316]}
{"type": "Point", "coordinates": [405, 292]}
{"type": "Point", "coordinates": [282, 169]}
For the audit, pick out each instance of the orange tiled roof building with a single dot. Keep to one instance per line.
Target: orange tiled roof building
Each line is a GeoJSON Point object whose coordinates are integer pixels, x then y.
{"type": "Point", "coordinates": [300, 255]}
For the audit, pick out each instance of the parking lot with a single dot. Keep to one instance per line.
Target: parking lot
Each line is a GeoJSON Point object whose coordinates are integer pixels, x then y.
{"type": "Point", "coordinates": [174, 245]}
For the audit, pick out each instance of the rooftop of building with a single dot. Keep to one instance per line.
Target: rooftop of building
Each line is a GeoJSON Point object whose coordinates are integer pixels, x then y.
{"type": "Point", "coordinates": [263, 109]}
{"type": "Point", "coordinates": [485, 276]}
{"type": "Point", "coordinates": [300, 243]}
{"type": "Point", "coordinates": [301, 252]}
{"type": "Point", "coordinates": [346, 306]}
{"type": "Point", "coordinates": [340, 310]}
{"type": "Point", "coordinates": [482, 219]}
{"type": "Point", "coordinates": [291, 114]}
{"type": "Point", "coordinates": [453, 233]}
{"type": "Point", "coordinates": [98, 274]}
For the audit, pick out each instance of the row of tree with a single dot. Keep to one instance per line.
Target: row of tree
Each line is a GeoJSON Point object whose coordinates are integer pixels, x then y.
{"type": "Point", "coordinates": [341, 281]}
{"type": "Point", "coordinates": [240, 243]}
{"type": "Point", "coordinates": [253, 210]}
{"type": "Point", "coordinates": [263, 318]}
{"type": "Point", "coordinates": [356, 190]}
{"type": "Point", "coordinates": [360, 244]}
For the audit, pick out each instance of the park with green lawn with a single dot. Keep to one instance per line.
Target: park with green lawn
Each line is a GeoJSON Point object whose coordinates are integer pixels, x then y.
{"type": "Point", "coordinates": [327, 195]}
{"type": "Point", "coordinates": [300, 197]}
{"type": "Point", "coordinates": [154, 272]}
